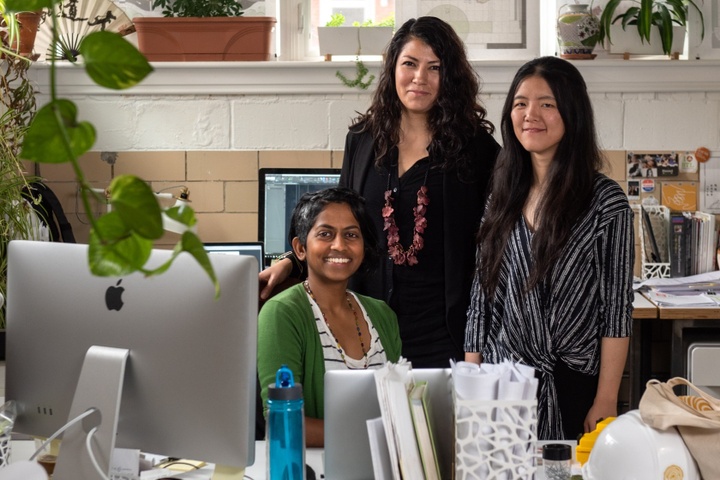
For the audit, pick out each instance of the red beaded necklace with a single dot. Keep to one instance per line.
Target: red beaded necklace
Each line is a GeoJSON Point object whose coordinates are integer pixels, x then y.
{"type": "Point", "coordinates": [399, 255]}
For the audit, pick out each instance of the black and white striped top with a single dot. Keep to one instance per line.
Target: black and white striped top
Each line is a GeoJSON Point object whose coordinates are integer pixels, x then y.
{"type": "Point", "coordinates": [334, 360]}
{"type": "Point", "coordinates": [589, 296]}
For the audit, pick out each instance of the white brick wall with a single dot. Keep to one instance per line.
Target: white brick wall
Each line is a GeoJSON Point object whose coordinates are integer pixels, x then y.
{"type": "Point", "coordinates": [639, 104]}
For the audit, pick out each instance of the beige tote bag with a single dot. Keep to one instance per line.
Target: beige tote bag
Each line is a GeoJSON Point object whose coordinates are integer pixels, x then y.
{"type": "Point", "coordinates": [697, 418]}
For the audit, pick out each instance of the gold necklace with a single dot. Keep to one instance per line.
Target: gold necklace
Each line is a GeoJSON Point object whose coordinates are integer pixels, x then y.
{"type": "Point", "coordinates": [357, 325]}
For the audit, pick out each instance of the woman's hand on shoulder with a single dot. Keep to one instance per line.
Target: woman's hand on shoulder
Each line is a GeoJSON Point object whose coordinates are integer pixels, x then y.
{"type": "Point", "coordinates": [273, 276]}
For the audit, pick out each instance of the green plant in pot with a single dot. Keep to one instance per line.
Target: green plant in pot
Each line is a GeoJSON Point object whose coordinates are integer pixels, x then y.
{"type": "Point", "coordinates": [203, 30]}
{"type": "Point", "coordinates": [646, 15]}
{"type": "Point", "coordinates": [199, 8]}
{"type": "Point", "coordinates": [17, 102]}
{"type": "Point", "coordinates": [366, 44]}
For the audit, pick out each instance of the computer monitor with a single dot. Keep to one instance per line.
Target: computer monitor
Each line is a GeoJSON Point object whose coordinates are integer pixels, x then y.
{"type": "Point", "coordinates": [280, 189]}
{"type": "Point", "coordinates": [239, 248]}
{"type": "Point", "coordinates": [187, 388]}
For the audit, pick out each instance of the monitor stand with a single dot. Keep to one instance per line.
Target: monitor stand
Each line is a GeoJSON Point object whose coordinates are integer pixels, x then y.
{"type": "Point", "coordinates": [99, 387]}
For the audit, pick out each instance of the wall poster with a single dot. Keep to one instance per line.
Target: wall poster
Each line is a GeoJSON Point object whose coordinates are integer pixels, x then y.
{"type": "Point", "coordinates": [491, 29]}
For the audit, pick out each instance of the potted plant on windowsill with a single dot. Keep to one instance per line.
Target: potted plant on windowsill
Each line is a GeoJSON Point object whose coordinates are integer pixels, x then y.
{"type": "Point", "coordinates": [650, 27]}
{"type": "Point", "coordinates": [368, 38]}
{"type": "Point", "coordinates": [19, 30]}
{"type": "Point", "coordinates": [203, 30]}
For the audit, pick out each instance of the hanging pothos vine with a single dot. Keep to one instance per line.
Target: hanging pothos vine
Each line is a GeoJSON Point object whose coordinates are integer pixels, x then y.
{"type": "Point", "coordinates": [359, 80]}
{"type": "Point", "coordinates": [121, 240]}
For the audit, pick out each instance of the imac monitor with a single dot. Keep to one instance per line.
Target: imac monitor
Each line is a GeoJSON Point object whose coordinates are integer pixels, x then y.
{"type": "Point", "coordinates": [254, 249]}
{"type": "Point", "coordinates": [188, 387]}
{"type": "Point", "coordinates": [280, 189]}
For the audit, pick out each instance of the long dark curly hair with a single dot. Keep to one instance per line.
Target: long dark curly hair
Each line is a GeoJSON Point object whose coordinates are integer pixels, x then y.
{"type": "Point", "coordinates": [569, 181]}
{"type": "Point", "coordinates": [457, 115]}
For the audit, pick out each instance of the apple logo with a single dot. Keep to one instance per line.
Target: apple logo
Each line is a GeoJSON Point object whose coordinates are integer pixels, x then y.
{"type": "Point", "coordinates": [113, 296]}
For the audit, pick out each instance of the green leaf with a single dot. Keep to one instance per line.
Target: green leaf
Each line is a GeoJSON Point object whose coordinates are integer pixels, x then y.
{"type": "Point", "coordinates": [183, 214]}
{"type": "Point", "coordinates": [121, 257]}
{"type": "Point", "coordinates": [192, 244]}
{"type": "Point", "coordinates": [110, 228]}
{"type": "Point", "coordinates": [113, 62]}
{"type": "Point", "coordinates": [55, 135]}
{"type": "Point", "coordinates": [606, 19]}
{"type": "Point", "coordinates": [28, 5]}
{"type": "Point", "coordinates": [665, 27]}
{"type": "Point", "coordinates": [645, 19]}
{"type": "Point", "coordinates": [137, 206]}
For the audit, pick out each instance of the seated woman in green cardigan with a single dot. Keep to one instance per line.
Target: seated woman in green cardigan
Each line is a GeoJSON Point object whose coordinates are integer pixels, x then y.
{"type": "Point", "coordinates": [320, 325]}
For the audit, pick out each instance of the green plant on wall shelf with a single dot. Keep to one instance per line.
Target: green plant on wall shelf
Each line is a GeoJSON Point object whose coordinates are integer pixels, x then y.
{"type": "Point", "coordinates": [336, 20]}
{"type": "Point", "coordinates": [121, 240]}
{"type": "Point", "coordinates": [199, 8]}
{"type": "Point", "coordinates": [361, 80]}
{"type": "Point", "coordinates": [646, 14]}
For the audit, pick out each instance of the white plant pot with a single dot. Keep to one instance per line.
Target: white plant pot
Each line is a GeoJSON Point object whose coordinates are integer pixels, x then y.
{"type": "Point", "coordinates": [628, 41]}
{"type": "Point", "coordinates": [354, 40]}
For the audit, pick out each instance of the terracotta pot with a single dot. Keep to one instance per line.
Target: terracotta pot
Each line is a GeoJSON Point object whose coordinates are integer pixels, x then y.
{"type": "Point", "coordinates": [29, 23]}
{"type": "Point", "coordinates": [163, 39]}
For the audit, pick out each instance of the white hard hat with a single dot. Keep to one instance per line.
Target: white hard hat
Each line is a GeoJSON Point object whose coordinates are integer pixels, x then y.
{"type": "Point", "coordinates": [629, 449]}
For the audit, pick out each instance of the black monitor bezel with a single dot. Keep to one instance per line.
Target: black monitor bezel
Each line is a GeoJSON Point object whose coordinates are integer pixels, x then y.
{"type": "Point", "coordinates": [262, 175]}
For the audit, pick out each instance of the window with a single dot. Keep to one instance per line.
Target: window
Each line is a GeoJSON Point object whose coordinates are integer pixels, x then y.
{"type": "Point", "coordinates": [360, 11]}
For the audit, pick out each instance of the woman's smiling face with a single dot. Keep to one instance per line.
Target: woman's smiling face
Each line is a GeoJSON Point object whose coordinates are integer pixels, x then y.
{"type": "Point", "coordinates": [536, 120]}
{"type": "Point", "coordinates": [334, 248]}
{"type": "Point", "coordinates": [417, 76]}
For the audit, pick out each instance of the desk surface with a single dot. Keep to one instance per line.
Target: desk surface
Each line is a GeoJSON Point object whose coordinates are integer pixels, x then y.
{"type": "Point", "coordinates": [689, 313]}
{"type": "Point", "coordinates": [23, 449]}
{"type": "Point", "coordinates": [643, 308]}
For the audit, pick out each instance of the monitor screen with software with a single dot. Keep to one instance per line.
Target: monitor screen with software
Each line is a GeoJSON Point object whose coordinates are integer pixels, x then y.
{"type": "Point", "coordinates": [189, 383]}
{"type": "Point", "coordinates": [238, 248]}
{"type": "Point", "coordinates": [279, 190]}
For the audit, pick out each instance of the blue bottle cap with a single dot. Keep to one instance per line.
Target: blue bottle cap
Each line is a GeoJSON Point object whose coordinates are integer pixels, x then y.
{"type": "Point", "coordinates": [285, 387]}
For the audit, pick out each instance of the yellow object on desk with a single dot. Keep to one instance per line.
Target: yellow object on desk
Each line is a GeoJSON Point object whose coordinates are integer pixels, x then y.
{"type": "Point", "coordinates": [586, 442]}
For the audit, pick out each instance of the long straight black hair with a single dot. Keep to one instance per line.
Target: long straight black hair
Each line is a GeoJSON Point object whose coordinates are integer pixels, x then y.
{"type": "Point", "coordinates": [569, 183]}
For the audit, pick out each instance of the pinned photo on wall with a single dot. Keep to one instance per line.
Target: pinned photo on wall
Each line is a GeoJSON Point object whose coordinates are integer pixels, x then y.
{"type": "Point", "coordinates": [633, 189]}
{"type": "Point", "coordinates": [653, 164]}
{"type": "Point", "coordinates": [688, 163]}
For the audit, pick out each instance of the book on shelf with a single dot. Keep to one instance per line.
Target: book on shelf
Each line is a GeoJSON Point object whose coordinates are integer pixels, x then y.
{"type": "Point", "coordinates": [692, 243]}
{"type": "Point", "coordinates": [419, 406]}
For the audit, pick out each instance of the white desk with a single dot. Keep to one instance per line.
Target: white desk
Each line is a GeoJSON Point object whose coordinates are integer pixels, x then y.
{"type": "Point", "coordinates": [23, 449]}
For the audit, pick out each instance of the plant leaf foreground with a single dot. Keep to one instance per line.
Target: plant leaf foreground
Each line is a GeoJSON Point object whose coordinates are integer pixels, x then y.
{"type": "Point", "coordinates": [121, 240]}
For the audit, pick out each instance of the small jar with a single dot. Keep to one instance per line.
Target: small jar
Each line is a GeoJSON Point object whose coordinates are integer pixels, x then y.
{"type": "Point", "coordinates": [557, 461]}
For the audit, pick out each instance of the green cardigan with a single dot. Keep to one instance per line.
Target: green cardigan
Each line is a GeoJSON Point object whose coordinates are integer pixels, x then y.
{"type": "Point", "coordinates": [287, 334]}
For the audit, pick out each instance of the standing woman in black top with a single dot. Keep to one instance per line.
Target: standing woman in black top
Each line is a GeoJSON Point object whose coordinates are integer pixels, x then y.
{"type": "Point", "coordinates": [421, 156]}
{"type": "Point", "coordinates": [553, 287]}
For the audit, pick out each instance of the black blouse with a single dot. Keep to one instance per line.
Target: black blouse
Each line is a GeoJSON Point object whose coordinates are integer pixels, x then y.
{"type": "Point", "coordinates": [416, 293]}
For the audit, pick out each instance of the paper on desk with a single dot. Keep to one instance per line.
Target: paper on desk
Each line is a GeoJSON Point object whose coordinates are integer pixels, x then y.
{"type": "Point", "coordinates": [669, 300]}
{"type": "Point", "coordinates": [666, 284]}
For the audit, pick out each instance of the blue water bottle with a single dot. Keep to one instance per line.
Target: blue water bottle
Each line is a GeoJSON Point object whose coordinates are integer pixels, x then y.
{"type": "Point", "coordinates": [286, 428]}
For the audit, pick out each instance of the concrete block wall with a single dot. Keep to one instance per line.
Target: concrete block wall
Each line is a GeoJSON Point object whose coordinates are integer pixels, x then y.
{"type": "Point", "coordinates": [223, 185]}
{"type": "Point", "coordinates": [211, 126]}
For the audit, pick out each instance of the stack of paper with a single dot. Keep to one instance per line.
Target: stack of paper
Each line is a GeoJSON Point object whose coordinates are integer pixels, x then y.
{"type": "Point", "coordinates": [693, 291]}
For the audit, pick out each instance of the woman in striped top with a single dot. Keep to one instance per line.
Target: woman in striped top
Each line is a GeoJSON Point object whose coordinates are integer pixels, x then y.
{"type": "Point", "coordinates": [553, 287]}
{"type": "Point", "coordinates": [319, 324]}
